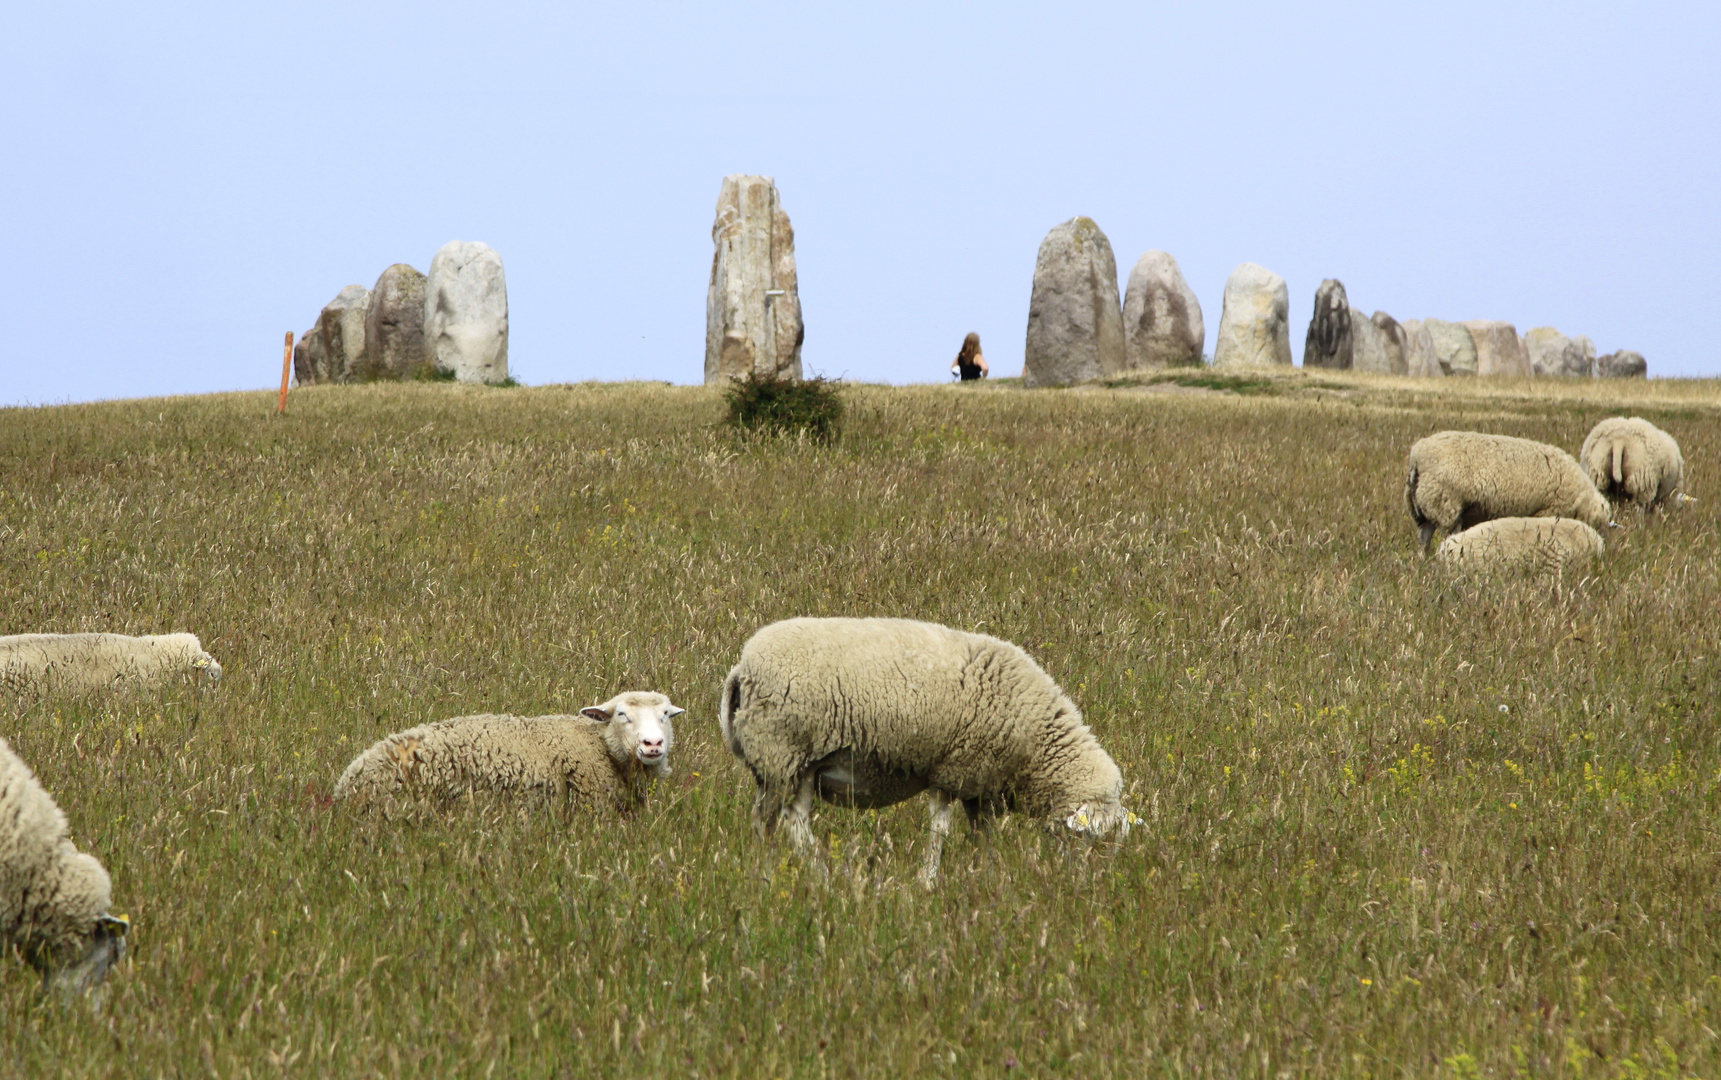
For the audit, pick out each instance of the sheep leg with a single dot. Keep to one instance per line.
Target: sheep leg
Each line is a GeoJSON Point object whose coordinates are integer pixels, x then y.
{"type": "Point", "coordinates": [1425, 533]}
{"type": "Point", "coordinates": [798, 816]}
{"type": "Point", "coordinates": [942, 804]}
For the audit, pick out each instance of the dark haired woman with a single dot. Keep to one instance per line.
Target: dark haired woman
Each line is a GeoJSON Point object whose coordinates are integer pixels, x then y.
{"type": "Point", "coordinates": [969, 363]}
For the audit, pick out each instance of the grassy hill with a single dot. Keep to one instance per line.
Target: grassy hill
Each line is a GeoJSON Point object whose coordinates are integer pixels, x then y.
{"type": "Point", "coordinates": [1395, 823]}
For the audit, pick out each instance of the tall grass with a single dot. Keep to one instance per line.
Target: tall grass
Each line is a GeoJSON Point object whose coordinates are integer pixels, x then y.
{"type": "Point", "coordinates": [1397, 824]}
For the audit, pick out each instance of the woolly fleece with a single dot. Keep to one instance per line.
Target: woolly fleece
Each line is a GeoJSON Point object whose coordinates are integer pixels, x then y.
{"type": "Point", "coordinates": [585, 761]}
{"type": "Point", "coordinates": [53, 898]}
{"type": "Point", "coordinates": [1631, 459]}
{"type": "Point", "coordinates": [85, 662]}
{"type": "Point", "coordinates": [868, 712]}
{"type": "Point", "coordinates": [1547, 545]}
{"type": "Point", "coordinates": [1456, 479]}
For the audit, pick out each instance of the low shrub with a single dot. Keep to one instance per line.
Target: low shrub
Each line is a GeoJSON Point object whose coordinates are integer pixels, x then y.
{"type": "Point", "coordinates": [764, 404]}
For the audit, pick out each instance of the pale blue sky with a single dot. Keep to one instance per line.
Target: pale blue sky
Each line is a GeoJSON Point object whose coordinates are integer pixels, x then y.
{"type": "Point", "coordinates": [185, 182]}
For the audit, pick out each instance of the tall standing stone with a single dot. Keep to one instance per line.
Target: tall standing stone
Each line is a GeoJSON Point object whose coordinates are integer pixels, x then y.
{"type": "Point", "coordinates": [752, 306]}
{"type": "Point", "coordinates": [1253, 328]}
{"type": "Point", "coordinates": [331, 350]}
{"type": "Point", "coordinates": [1075, 323]}
{"type": "Point", "coordinates": [1588, 348]}
{"type": "Point", "coordinates": [1553, 353]}
{"type": "Point", "coordinates": [1623, 364]}
{"type": "Point", "coordinates": [466, 312]}
{"type": "Point", "coordinates": [1453, 345]}
{"type": "Point", "coordinates": [1329, 343]}
{"type": "Point", "coordinates": [1421, 361]}
{"type": "Point", "coordinates": [394, 326]}
{"type": "Point", "coordinates": [1498, 348]}
{"type": "Point", "coordinates": [1161, 317]}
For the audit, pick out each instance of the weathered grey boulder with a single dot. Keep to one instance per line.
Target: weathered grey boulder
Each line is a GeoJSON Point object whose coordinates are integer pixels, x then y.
{"type": "Point", "coordinates": [1498, 349]}
{"type": "Point", "coordinates": [753, 305]}
{"type": "Point", "coordinates": [466, 312]}
{"type": "Point", "coordinates": [1377, 344]}
{"type": "Point", "coordinates": [1421, 361]}
{"type": "Point", "coordinates": [1329, 343]}
{"type": "Point", "coordinates": [1453, 345]}
{"type": "Point", "coordinates": [331, 350]}
{"type": "Point", "coordinates": [394, 327]}
{"type": "Point", "coordinates": [1075, 323]}
{"type": "Point", "coordinates": [1588, 349]}
{"type": "Point", "coordinates": [1161, 317]}
{"type": "Point", "coordinates": [1553, 353]}
{"type": "Point", "coordinates": [1623, 364]}
{"type": "Point", "coordinates": [1393, 341]}
{"type": "Point", "coordinates": [1253, 329]}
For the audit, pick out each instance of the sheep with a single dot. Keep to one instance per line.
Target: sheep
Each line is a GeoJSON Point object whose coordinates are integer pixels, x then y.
{"type": "Point", "coordinates": [86, 662]}
{"type": "Point", "coordinates": [53, 898]}
{"type": "Point", "coordinates": [599, 757]}
{"type": "Point", "coordinates": [1538, 544]}
{"type": "Point", "coordinates": [870, 712]}
{"type": "Point", "coordinates": [1633, 460]}
{"type": "Point", "coordinates": [1457, 479]}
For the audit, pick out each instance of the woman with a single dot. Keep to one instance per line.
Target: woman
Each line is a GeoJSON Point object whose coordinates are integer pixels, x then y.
{"type": "Point", "coordinates": [969, 363]}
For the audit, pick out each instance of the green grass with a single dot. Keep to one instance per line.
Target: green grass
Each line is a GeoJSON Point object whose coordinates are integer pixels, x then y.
{"type": "Point", "coordinates": [1396, 824]}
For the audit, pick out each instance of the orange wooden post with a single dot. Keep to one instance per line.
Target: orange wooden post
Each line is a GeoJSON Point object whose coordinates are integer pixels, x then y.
{"type": "Point", "coordinates": [286, 369]}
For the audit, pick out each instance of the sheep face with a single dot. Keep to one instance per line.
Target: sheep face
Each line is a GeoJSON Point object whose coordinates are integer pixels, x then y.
{"type": "Point", "coordinates": [638, 726]}
{"type": "Point", "coordinates": [207, 665]}
{"type": "Point", "coordinates": [80, 968]}
{"type": "Point", "coordinates": [1101, 819]}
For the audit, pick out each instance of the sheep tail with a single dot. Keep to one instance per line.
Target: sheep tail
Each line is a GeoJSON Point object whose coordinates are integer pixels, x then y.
{"type": "Point", "coordinates": [727, 707]}
{"type": "Point", "coordinates": [1618, 461]}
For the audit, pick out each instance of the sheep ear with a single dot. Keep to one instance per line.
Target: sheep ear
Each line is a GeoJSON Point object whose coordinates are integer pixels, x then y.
{"type": "Point", "coordinates": [673, 710]}
{"type": "Point", "coordinates": [597, 713]}
{"type": "Point", "coordinates": [113, 925]}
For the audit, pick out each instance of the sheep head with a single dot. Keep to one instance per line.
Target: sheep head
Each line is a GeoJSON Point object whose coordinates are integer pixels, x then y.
{"type": "Point", "coordinates": [637, 727]}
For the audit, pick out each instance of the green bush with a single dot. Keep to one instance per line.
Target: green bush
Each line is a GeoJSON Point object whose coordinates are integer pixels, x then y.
{"type": "Point", "coordinates": [769, 405]}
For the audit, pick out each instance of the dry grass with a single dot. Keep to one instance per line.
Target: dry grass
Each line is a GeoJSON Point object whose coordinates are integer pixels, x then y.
{"type": "Point", "coordinates": [1397, 824]}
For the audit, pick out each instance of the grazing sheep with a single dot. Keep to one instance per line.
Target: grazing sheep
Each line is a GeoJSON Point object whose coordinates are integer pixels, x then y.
{"type": "Point", "coordinates": [53, 898]}
{"type": "Point", "coordinates": [869, 712]}
{"type": "Point", "coordinates": [600, 757]}
{"type": "Point", "coordinates": [1634, 460]}
{"type": "Point", "coordinates": [85, 662]}
{"type": "Point", "coordinates": [1457, 479]}
{"type": "Point", "coordinates": [1546, 545]}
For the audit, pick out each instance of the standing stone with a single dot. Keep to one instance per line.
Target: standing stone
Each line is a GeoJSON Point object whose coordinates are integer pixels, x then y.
{"type": "Point", "coordinates": [1553, 353]}
{"type": "Point", "coordinates": [1075, 324]}
{"type": "Point", "coordinates": [1377, 347]}
{"type": "Point", "coordinates": [1161, 317]}
{"type": "Point", "coordinates": [1588, 348]}
{"type": "Point", "coordinates": [1624, 364]}
{"type": "Point", "coordinates": [394, 327]}
{"type": "Point", "coordinates": [305, 362]}
{"type": "Point", "coordinates": [1253, 328]}
{"type": "Point", "coordinates": [752, 306]}
{"type": "Point", "coordinates": [1329, 343]}
{"type": "Point", "coordinates": [1421, 361]}
{"type": "Point", "coordinates": [1393, 342]}
{"type": "Point", "coordinates": [1498, 349]}
{"type": "Point", "coordinates": [1453, 345]}
{"type": "Point", "coordinates": [466, 312]}
{"type": "Point", "coordinates": [333, 347]}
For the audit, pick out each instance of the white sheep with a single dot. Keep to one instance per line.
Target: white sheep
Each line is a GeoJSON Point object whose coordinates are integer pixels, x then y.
{"type": "Point", "coordinates": [87, 662]}
{"type": "Point", "coordinates": [53, 898]}
{"type": "Point", "coordinates": [869, 712]}
{"type": "Point", "coordinates": [1632, 459]}
{"type": "Point", "coordinates": [1549, 545]}
{"type": "Point", "coordinates": [1457, 479]}
{"type": "Point", "coordinates": [599, 758]}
